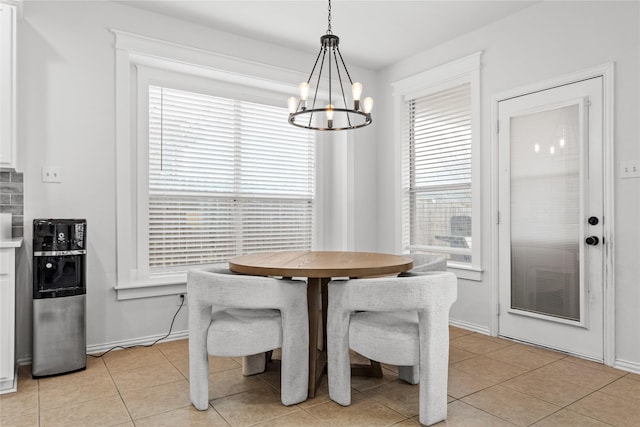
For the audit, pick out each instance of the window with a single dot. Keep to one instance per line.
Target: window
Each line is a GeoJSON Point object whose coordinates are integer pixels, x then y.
{"type": "Point", "coordinates": [207, 166]}
{"type": "Point", "coordinates": [438, 142]}
{"type": "Point", "coordinates": [439, 192]}
{"type": "Point", "coordinates": [226, 177]}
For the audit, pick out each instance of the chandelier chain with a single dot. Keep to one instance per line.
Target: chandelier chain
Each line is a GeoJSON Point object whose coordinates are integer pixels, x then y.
{"type": "Point", "coordinates": [329, 20]}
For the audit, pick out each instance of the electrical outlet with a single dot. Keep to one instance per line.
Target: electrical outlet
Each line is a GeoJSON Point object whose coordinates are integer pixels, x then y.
{"type": "Point", "coordinates": [629, 169]}
{"type": "Point", "coordinates": [182, 297]}
{"type": "Point", "coordinates": [51, 174]}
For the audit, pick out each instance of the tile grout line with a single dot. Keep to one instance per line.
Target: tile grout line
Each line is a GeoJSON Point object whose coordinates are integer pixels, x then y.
{"type": "Point", "coordinates": [126, 408]}
{"type": "Point", "coordinates": [454, 399]}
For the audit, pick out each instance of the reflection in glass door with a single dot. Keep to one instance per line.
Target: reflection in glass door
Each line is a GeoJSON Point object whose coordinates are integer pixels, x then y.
{"type": "Point", "coordinates": [545, 212]}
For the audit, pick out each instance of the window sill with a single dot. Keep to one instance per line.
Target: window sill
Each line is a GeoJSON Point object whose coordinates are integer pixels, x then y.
{"type": "Point", "coordinates": [153, 287]}
{"type": "Point", "coordinates": [465, 272]}
{"type": "Point", "coordinates": [174, 284]}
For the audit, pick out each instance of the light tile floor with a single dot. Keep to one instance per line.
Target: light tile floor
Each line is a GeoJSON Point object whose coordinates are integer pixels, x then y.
{"type": "Point", "coordinates": [492, 382]}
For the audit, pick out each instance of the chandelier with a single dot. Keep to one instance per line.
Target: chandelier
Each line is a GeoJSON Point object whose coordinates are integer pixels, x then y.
{"type": "Point", "coordinates": [337, 114]}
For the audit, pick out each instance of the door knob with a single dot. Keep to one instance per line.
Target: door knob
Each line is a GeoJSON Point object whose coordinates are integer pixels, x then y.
{"type": "Point", "coordinates": [593, 220]}
{"type": "Point", "coordinates": [592, 240]}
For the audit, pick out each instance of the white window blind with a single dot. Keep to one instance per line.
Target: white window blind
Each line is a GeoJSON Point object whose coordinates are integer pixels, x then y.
{"type": "Point", "coordinates": [437, 157]}
{"type": "Point", "coordinates": [226, 177]}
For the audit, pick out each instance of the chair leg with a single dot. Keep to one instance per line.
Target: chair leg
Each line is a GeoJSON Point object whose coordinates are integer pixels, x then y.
{"type": "Point", "coordinates": [339, 363]}
{"type": "Point", "coordinates": [434, 366]}
{"type": "Point", "coordinates": [409, 374]}
{"type": "Point", "coordinates": [294, 367]}
{"type": "Point", "coordinates": [199, 320]}
{"type": "Point", "coordinates": [254, 364]}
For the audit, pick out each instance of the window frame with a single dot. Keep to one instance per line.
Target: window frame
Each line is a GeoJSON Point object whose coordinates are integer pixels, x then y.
{"type": "Point", "coordinates": [175, 66]}
{"type": "Point", "coordinates": [146, 77]}
{"type": "Point", "coordinates": [463, 70]}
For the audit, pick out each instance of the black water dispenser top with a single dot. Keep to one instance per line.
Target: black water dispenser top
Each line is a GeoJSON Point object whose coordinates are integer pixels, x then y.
{"type": "Point", "coordinates": [58, 235]}
{"type": "Point", "coordinates": [59, 257]}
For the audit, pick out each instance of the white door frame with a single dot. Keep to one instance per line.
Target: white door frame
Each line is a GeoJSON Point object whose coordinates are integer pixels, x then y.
{"type": "Point", "coordinates": [607, 73]}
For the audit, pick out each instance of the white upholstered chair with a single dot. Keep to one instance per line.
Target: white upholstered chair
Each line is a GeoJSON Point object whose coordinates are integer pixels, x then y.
{"type": "Point", "coordinates": [401, 321]}
{"type": "Point", "coordinates": [232, 315]}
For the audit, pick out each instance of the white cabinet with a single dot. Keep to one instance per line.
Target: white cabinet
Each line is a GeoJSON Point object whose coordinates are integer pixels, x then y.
{"type": "Point", "coordinates": [8, 314]}
{"type": "Point", "coordinates": [8, 158]}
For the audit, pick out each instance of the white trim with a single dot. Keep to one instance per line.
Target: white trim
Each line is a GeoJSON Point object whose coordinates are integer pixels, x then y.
{"type": "Point", "coordinates": [426, 80]}
{"type": "Point", "coordinates": [141, 168]}
{"type": "Point", "coordinates": [11, 385]}
{"type": "Point", "coordinates": [169, 284]}
{"type": "Point", "coordinates": [349, 196]}
{"type": "Point", "coordinates": [188, 56]}
{"type": "Point", "coordinates": [101, 348]}
{"type": "Point", "coordinates": [124, 226]}
{"type": "Point", "coordinates": [481, 329]}
{"type": "Point", "coordinates": [625, 365]}
{"type": "Point", "coordinates": [606, 71]}
{"type": "Point", "coordinates": [495, 219]}
{"type": "Point", "coordinates": [464, 271]}
{"type": "Point", "coordinates": [463, 70]}
{"type": "Point", "coordinates": [398, 192]}
{"type": "Point", "coordinates": [608, 163]}
{"type": "Point", "coordinates": [133, 54]}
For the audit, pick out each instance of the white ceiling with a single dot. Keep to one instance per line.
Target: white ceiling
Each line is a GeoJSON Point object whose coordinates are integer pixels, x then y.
{"type": "Point", "coordinates": [373, 33]}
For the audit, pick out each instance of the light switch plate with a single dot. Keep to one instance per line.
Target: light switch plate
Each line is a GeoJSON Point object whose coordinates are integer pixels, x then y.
{"type": "Point", "coordinates": [629, 169]}
{"type": "Point", "coordinates": [51, 174]}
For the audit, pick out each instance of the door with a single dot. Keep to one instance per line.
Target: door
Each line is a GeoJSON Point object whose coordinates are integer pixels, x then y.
{"type": "Point", "coordinates": [551, 218]}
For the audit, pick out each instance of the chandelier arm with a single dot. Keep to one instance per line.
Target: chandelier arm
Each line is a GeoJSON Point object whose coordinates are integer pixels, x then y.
{"type": "Point", "coordinates": [315, 94]}
{"type": "Point", "coordinates": [344, 65]}
{"type": "Point", "coordinates": [314, 65]}
{"type": "Point", "coordinates": [344, 98]}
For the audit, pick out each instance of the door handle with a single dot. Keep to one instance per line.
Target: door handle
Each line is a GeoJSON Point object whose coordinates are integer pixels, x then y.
{"type": "Point", "coordinates": [592, 240]}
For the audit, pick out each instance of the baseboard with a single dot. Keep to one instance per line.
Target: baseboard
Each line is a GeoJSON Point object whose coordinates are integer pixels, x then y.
{"type": "Point", "coordinates": [7, 386]}
{"type": "Point", "coordinates": [101, 348]}
{"type": "Point", "coordinates": [625, 365]}
{"type": "Point", "coordinates": [24, 360]}
{"type": "Point", "coordinates": [470, 326]}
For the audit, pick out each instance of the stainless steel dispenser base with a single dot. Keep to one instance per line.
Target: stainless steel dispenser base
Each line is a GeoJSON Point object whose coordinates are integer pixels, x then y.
{"type": "Point", "coordinates": [59, 335]}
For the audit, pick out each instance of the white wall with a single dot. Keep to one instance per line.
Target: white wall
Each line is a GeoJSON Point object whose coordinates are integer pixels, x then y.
{"type": "Point", "coordinates": [544, 41]}
{"type": "Point", "coordinates": [66, 118]}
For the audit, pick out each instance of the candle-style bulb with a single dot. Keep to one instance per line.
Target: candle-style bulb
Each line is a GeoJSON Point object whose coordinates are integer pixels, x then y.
{"type": "Point", "coordinates": [304, 91]}
{"type": "Point", "coordinates": [304, 94]}
{"type": "Point", "coordinates": [329, 112]}
{"type": "Point", "coordinates": [330, 116]}
{"type": "Point", "coordinates": [356, 91]}
{"type": "Point", "coordinates": [292, 102]}
{"type": "Point", "coordinates": [367, 104]}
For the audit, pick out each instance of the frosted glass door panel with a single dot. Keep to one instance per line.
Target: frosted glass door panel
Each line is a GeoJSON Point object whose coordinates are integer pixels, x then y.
{"type": "Point", "coordinates": [545, 212]}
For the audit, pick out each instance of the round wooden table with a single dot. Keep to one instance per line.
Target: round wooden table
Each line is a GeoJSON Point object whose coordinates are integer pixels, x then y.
{"type": "Point", "coordinates": [319, 267]}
